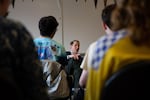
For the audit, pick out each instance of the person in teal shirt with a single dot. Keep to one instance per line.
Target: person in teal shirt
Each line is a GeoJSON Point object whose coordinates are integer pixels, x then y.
{"type": "Point", "coordinates": [47, 48]}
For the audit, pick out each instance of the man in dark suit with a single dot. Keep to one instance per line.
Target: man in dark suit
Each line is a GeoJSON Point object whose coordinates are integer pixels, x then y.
{"type": "Point", "coordinates": [74, 61]}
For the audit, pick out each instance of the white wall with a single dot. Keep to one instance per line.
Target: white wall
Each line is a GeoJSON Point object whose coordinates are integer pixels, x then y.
{"type": "Point", "coordinates": [80, 20]}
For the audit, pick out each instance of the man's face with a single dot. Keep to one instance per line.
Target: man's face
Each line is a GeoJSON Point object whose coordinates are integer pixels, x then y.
{"type": "Point", "coordinates": [75, 47]}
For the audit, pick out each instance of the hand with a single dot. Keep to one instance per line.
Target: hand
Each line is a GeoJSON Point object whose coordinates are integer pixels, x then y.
{"type": "Point", "coordinates": [74, 56]}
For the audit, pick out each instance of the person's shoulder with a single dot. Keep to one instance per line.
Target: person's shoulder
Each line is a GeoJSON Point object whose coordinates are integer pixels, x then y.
{"type": "Point", "coordinates": [98, 41]}
{"type": "Point", "coordinates": [39, 39]}
{"type": "Point", "coordinates": [56, 42]}
{"type": "Point", "coordinates": [92, 45]}
{"type": "Point", "coordinates": [59, 45]}
{"type": "Point", "coordinates": [122, 45]}
{"type": "Point", "coordinates": [43, 41]}
{"type": "Point", "coordinates": [111, 37]}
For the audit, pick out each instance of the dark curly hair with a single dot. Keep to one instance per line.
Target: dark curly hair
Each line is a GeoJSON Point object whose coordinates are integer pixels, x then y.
{"type": "Point", "coordinates": [48, 25]}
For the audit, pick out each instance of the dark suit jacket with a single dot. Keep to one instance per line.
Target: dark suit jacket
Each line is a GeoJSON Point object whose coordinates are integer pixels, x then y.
{"type": "Point", "coordinates": [73, 68]}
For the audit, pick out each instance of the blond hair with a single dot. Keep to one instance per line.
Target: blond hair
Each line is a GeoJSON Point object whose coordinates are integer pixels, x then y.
{"type": "Point", "coordinates": [134, 15]}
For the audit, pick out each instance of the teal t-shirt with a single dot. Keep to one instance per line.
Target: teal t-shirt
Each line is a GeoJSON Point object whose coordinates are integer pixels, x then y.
{"type": "Point", "coordinates": [44, 49]}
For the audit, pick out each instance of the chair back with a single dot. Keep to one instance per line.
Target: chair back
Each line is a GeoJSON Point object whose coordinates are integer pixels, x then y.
{"type": "Point", "coordinates": [132, 82]}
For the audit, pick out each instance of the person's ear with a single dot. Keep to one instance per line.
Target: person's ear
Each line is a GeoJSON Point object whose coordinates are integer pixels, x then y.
{"type": "Point", "coordinates": [52, 35]}
{"type": "Point", "coordinates": [105, 26]}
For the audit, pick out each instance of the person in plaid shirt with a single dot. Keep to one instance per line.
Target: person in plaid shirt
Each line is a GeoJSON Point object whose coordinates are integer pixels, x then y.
{"type": "Point", "coordinates": [125, 46]}
{"type": "Point", "coordinates": [87, 61]}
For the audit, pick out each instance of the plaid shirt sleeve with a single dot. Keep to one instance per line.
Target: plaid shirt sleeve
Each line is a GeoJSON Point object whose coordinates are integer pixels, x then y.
{"type": "Point", "coordinates": [103, 44]}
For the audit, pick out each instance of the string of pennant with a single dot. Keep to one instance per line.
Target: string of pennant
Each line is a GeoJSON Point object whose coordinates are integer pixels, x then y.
{"type": "Point", "coordinates": [95, 2]}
